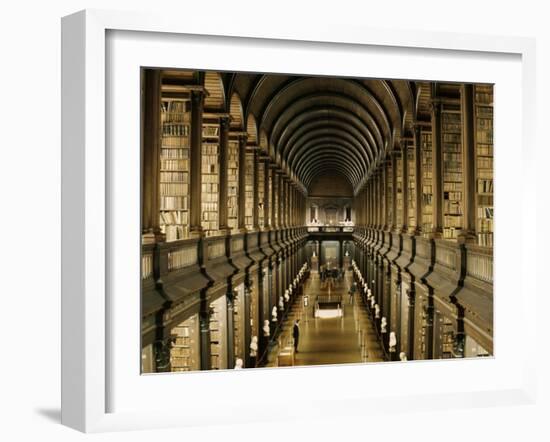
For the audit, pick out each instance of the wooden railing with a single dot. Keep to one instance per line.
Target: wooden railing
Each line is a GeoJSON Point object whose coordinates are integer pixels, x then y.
{"type": "Point", "coordinates": [446, 255]}
{"type": "Point", "coordinates": [182, 256]}
{"type": "Point", "coordinates": [479, 263]}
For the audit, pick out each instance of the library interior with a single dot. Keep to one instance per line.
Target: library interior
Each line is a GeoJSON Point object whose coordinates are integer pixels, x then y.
{"type": "Point", "coordinates": [291, 220]}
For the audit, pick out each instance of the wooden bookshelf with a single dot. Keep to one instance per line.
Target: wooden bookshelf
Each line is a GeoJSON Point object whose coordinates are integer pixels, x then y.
{"type": "Point", "coordinates": [233, 184]}
{"type": "Point", "coordinates": [269, 198]}
{"type": "Point", "coordinates": [483, 109]}
{"type": "Point", "coordinates": [261, 196]}
{"type": "Point", "coordinates": [444, 335]}
{"type": "Point", "coordinates": [218, 334]}
{"type": "Point", "coordinates": [427, 181]}
{"type": "Point", "coordinates": [238, 324]}
{"type": "Point", "coordinates": [389, 184]}
{"type": "Point", "coordinates": [174, 168]}
{"type": "Point", "coordinates": [249, 191]}
{"type": "Point", "coordinates": [399, 191]}
{"type": "Point", "coordinates": [210, 178]}
{"type": "Point", "coordinates": [411, 188]}
{"type": "Point", "coordinates": [185, 352]}
{"type": "Point", "coordinates": [451, 148]}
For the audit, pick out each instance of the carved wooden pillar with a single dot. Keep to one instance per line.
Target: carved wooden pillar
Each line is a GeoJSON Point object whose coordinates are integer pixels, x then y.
{"type": "Point", "coordinates": [151, 154]}
{"type": "Point", "coordinates": [197, 103]}
{"type": "Point", "coordinates": [437, 165]}
{"type": "Point", "coordinates": [394, 190]}
{"type": "Point", "coordinates": [418, 178]}
{"type": "Point", "coordinates": [468, 160]}
{"type": "Point", "coordinates": [405, 185]}
{"type": "Point", "coordinates": [266, 207]}
{"type": "Point", "coordinates": [255, 198]}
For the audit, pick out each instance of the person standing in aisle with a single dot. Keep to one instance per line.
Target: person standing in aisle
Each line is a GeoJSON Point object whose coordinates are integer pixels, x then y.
{"type": "Point", "coordinates": [296, 334]}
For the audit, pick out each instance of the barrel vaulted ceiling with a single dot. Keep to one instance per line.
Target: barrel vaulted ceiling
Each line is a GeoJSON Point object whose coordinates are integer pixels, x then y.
{"type": "Point", "coordinates": [318, 125]}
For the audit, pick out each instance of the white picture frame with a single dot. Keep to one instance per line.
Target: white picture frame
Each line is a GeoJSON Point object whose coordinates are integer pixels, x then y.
{"type": "Point", "coordinates": [87, 208]}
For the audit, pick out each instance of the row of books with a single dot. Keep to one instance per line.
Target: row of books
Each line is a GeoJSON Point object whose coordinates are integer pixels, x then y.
{"type": "Point", "coordinates": [485, 186]}
{"type": "Point", "coordinates": [484, 163]}
{"type": "Point", "coordinates": [210, 177]}
{"type": "Point", "coordinates": [210, 130]}
{"type": "Point", "coordinates": [209, 149]}
{"type": "Point", "coordinates": [173, 106]}
{"type": "Point", "coordinates": [452, 207]}
{"type": "Point", "coordinates": [484, 124]}
{"type": "Point", "coordinates": [485, 200]}
{"type": "Point", "coordinates": [174, 217]}
{"type": "Point", "coordinates": [175, 130]}
{"type": "Point", "coordinates": [209, 188]}
{"type": "Point", "coordinates": [452, 186]}
{"type": "Point", "coordinates": [454, 196]}
{"type": "Point", "coordinates": [174, 153]}
{"type": "Point", "coordinates": [174, 177]}
{"type": "Point", "coordinates": [174, 142]}
{"type": "Point", "coordinates": [210, 197]}
{"type": "Point", "coordinates": [173, 203]}
{"type": "Point", "coordinates": [484, 111]}
{"type": "Point", "coordinates": [485, 239]}
{"type": "Point", "coordinates": [485, 150]}
{"type": "Point", "coordinates": [174, 189]}
{"type": "Point", "coordinates": [210, 207]}
{"type": "Point", "coordinates": [174, 165]}
{"type": "Point", "coordinates": [483, 136]}
{"type": "Point", "coordinates": [449, 176]}
{"type": "Point", "coordinates": [209, 215]}
{"type": "Point", "coordinates": [485, 212]}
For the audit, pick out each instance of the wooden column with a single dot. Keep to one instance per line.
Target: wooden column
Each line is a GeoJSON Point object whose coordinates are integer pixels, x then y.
{"type": "Point", "coordinates": [150, 196]}
{"type": "Point", "coordinates": [405, 185]}
{"type": "Point", "coordinates": [224, 148]}
{"type": "Point", "coordinates": [468, 160]}
{"type": "Point", "coordinates": [274, 220]}
{"type": "Point", "coordinates": [204, 327]}
{"type": "Point", "coordinates": [418, 178]}
{"type": "Point", "coordinates": [384, 196]}
{"type": "Point", "coordinates": [387, 225]}
{"type": "Point", "coordinates": [394, 190]}
{"type": "Point", "coordinates": [437, 167]}
{"type": "Point", "coordinates": [230, 329]}
{"type": "Point", "coordinates": [266, 194]}
{"type": "Point", "coordinates": [242, 183]}
{"type": "Point", "coordinates": [283, 201]}
{"type": "Point", "coordinates": [197, 103]}
{"type": "Point", "coordinates": [369, 205]}
{"type": "Point", "coordinates": [379, 199]}
{"type": "Point", "coordinates": [255, 198]}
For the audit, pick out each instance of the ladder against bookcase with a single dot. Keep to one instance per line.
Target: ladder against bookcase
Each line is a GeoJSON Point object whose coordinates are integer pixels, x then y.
{"type": "Point", "coordinates": [484, 162]}
{"type": "Point", "coordinates": [210, 177]}
{"type": "Point", "coordinates": [451, 148]}
{"type": "Point", "coordinates": [174, 168]}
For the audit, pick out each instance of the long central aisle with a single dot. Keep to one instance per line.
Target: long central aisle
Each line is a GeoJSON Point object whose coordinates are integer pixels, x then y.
{"type": "Point", "coordinates": [349, 339]}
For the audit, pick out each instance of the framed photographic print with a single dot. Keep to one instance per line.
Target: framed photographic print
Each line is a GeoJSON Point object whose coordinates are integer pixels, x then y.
{"type": "Point", "coordinates": [282, 210]}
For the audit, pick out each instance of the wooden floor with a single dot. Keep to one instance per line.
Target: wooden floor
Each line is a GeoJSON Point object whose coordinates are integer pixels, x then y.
{"type": "Point", "coordinates": [350, 339]}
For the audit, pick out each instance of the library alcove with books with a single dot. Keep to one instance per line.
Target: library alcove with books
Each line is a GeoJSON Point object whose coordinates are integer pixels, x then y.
{"type": "Point", "coordinates": [306, 220]}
